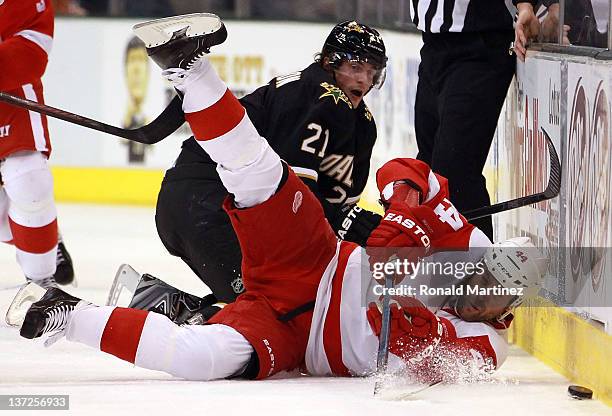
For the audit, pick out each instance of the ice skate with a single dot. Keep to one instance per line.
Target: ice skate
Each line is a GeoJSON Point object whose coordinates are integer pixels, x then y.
{"type": "Point", "coordinates": [124, 286]}
{"type": "Point", "coordinates": [64, 273]}
{"type": "Point", "coordinates": [47, 315]}
{"type": "Point", "coordinates": [180, 41]}
{"type": "Point", "coordinates": [150, 293]}
{"type": "Point", "coordinates": [155, 295]}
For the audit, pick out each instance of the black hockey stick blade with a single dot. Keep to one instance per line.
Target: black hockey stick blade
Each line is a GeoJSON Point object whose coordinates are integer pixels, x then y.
{"type": "Point", "coordinates": [164, 125]}
{"type": "Point", "coordinates": [382, 357]}
{"type": "Point", "coordinates": [552, 189]}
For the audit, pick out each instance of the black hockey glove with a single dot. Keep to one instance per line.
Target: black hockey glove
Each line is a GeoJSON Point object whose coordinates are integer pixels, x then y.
{"type": "Point", "coordinates": [355, 224]}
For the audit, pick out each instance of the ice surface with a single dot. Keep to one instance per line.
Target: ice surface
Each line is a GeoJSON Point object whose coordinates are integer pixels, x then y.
{"type": "Point", "coordinates": [100, 238]}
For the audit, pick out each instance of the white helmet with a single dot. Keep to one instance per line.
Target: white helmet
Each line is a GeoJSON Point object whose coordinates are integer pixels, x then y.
{"type": "Point", "coordinates": [517, 263]}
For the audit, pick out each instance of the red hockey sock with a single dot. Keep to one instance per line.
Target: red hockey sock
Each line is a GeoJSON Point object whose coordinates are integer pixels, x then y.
{"type": "Point", "coordinates": [218, 119]}
{"type": "Point", "coordinates": [122, 333]}
{"type": "Point", "coordinates": [35, 240]}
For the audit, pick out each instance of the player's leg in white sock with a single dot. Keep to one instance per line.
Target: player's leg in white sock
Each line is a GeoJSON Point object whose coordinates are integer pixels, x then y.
{"type": "Point", "coordinates": [32, 216]}
{"type": "Point", "coordinates": [152, 341]}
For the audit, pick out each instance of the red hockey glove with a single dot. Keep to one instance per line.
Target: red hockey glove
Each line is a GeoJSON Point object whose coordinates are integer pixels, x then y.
{"type": "Point", "coordinates": [415, 331]}
{"type": "Point", "coordinates": [401, 226]}
{"type": "Point", "coordinates": [400, 191]}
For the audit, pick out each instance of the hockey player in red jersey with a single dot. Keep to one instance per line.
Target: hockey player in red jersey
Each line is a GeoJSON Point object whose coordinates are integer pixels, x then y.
{"type": "Point", "coordinates": [27, 210]}
{"type": "Point", "coordinates": [303, 306]}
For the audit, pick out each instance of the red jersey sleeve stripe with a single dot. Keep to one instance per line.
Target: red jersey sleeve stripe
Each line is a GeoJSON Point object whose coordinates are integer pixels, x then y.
{"type": "Point", "coordinates": [45, 42]}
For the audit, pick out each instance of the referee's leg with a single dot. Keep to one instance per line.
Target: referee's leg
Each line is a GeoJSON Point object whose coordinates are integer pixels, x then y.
{"type": "Point", "coordinates": [472, 99]}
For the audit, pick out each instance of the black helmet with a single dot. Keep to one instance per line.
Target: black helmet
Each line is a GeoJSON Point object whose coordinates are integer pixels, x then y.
{"type": "Point", "coordinates": [352, 41]}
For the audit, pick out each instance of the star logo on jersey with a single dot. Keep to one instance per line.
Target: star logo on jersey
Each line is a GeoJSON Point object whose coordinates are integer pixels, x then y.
{"type": "Point", "coordinates": [336, 93]}
{"type": "Point", "coordinates": [355, 27]}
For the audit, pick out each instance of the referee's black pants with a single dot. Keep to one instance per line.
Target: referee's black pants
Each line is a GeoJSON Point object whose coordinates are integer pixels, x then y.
{"type": "Point", "coordinates": [463, 81]}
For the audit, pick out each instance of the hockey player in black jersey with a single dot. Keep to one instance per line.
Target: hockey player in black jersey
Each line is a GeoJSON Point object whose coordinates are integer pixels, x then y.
{"type": "Point", "coordinates": [317, 121]}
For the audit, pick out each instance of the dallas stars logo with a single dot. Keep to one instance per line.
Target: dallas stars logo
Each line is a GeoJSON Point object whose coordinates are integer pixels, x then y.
{"type": "Point", "coordinates": [354, 27]}
{"type": "Point", "coordinates": [336, 93]}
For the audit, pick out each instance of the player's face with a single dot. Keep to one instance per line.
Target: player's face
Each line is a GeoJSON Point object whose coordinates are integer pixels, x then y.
{"type": "Point", "coordinates": [477, 307]}
{"type": "Point", "coordinates": [355, 79]}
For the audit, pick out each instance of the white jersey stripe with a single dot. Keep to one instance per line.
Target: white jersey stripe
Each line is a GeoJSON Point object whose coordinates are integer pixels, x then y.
{"type": "Point", "coordinates": [422, 8]}
{"type": "Point", "coordinates": [359, 343]}
{"type": "Point", "coordinates": [440, 16]}
{"type": "Point", "coordinates": [459, 12]}
{"type": "Point", "coordinates": [307, 173]}
{"type": "Point", "coordinates": [38, 131]}
{"type": "Point", "coordinates": [44, 41]}
{"type": "Point", "coordinates": [316, 358]}
{"type": "Point", "coordinates": [438, 19]}
{"type": "Point", "coordinates": [434, 186]}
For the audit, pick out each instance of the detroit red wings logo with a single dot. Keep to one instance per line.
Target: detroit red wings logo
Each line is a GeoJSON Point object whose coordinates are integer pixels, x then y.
{"type": "Point", "coordinates": [297, 201]}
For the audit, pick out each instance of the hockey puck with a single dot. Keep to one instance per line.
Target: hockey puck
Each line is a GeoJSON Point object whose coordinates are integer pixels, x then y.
{"type": "Point", "coordinates": [580, 393]}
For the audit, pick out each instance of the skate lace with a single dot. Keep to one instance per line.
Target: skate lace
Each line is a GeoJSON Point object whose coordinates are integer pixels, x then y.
{"type": "Point", "coordinates": [57, 318]}
{"type": "Point", "coordinates": [196, 58]}
{"type": "Point", "coordinates": [60, 256]}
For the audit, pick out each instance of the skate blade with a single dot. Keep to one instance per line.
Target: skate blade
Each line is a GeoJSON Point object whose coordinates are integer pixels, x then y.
{"type": "Point", "coordinates": [26, 296]}
{"type": "Point", "coordinates": [124, 286]}
{"type": "Point", "coordinates": [157, 32]}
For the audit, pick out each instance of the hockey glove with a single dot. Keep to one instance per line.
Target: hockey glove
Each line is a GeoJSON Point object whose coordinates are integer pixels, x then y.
{"type": "Point", "coordinates": [415, 331]}
{"type": "Point", "coordinates": [356, 224]}
{"type": "Point", "coordinates": [400, 191]}
{"type": "Point", "coordinates": [401, 226]}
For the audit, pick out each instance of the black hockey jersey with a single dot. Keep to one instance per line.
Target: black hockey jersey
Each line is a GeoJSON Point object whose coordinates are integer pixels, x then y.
{"type": "Point", "coordinates": [313, 126]}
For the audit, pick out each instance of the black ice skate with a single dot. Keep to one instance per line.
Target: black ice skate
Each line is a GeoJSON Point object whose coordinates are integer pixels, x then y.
{"type": "Point", "coordinates": [64, 273]}
{"type": "Point", "coordinates": [50, 313]}
{"type": "Point", "coordinates": [180, 41]}
{"type": "Point", "coordinates": [154, 295]}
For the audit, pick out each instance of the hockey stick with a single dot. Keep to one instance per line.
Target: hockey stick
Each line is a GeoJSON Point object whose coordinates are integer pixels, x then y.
{"type": "Point", "coordinates": [173, 117]}
{"type": "Point", "coordinates": [552, 189]}
{"type": "Point", "coordinates": [382, 358]}
{"type": "Point", "coordinates": [164, 125]}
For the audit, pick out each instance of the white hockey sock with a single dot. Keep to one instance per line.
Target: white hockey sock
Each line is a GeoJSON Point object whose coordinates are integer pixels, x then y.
{"type": "Point", "coordinates": [86, 326]}
{"type": "Point", "coordinates": [247, 165]}
{"type": "Point", "coordinates": [152, 341]}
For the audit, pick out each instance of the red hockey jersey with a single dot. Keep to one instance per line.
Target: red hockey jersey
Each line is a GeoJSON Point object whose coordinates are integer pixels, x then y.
{"type": "Point", "coordinates": [342, 341]}
{"type": "Point", "coordinates": [26, 37]}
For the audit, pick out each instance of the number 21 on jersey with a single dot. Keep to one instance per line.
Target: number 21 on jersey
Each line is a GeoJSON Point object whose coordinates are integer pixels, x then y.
{"type": "Point", "coordinates": [307, 143]}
